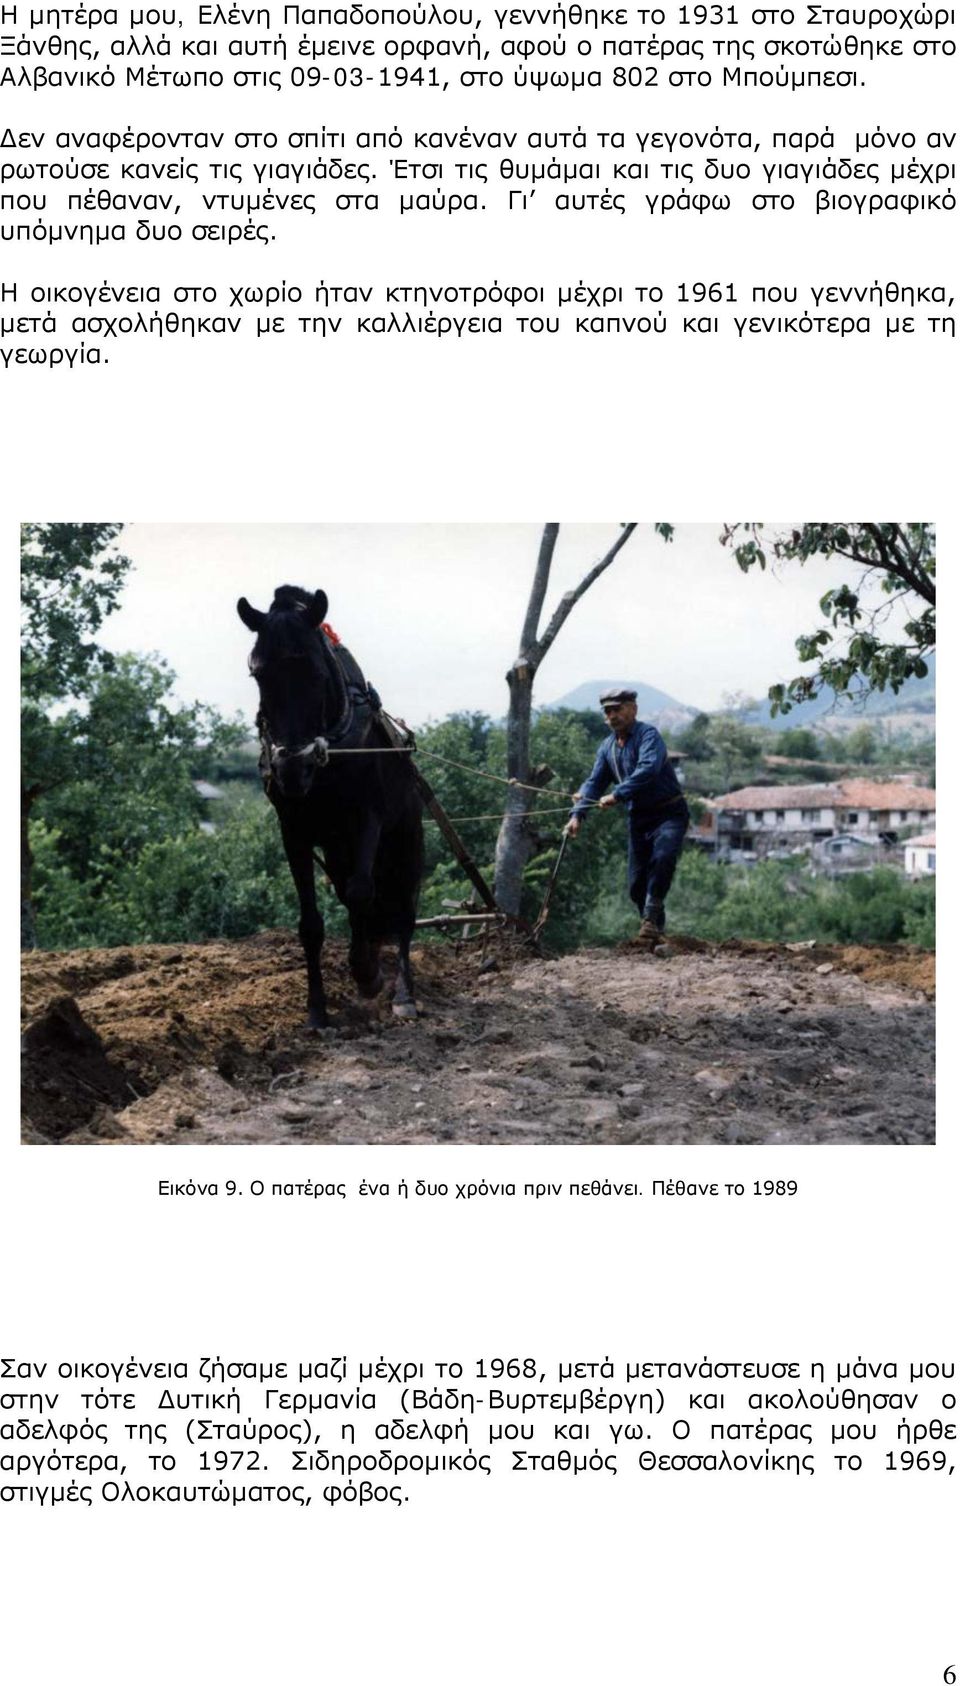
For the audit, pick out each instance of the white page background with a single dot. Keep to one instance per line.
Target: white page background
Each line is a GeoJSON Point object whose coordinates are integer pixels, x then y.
{"type": "Point", "coordinates": [673, 1579]}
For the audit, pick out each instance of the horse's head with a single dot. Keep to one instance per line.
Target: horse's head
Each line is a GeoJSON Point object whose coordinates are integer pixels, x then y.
{"type": "Point", "coordinates": [303, 697]}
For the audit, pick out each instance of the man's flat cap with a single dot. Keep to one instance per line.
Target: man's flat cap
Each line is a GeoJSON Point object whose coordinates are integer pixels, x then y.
{"type": "Point", "coordinates": [617, 697]}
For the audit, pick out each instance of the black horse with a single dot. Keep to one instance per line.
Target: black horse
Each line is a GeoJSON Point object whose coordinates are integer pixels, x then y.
{"type": "Point", "coordinates": [363, 811]}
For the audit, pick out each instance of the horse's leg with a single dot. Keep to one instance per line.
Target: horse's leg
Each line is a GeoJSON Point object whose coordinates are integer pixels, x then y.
{"type": "Point", "coordinates": [358, 899]}
{"type": "Point", "coordinates": [404, 1004]}
{"type": "Point", "coordinates": [300, 857]}
{"type": "Point", "coordinates": [408, 871]}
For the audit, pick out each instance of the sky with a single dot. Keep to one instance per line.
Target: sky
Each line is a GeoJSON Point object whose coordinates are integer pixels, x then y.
{"type": "Point", "coordinates": [433, 613]}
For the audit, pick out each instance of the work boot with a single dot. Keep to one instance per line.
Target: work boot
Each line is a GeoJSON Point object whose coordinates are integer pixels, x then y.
{"type": "Point", "coordinates": [655, 914]}
{"type": "Point", "coordinates": [648, 935]}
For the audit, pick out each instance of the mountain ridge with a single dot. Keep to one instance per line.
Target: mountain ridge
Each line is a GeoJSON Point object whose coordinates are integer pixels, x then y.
{"type": "Point", "coordinates": [916, 697]}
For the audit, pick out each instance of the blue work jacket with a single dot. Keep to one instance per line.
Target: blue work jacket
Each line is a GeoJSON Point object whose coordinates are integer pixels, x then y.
{"type": "Point", "coordinates": [642, 777]}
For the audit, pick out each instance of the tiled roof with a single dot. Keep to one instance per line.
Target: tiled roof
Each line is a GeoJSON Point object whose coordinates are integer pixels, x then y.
{"type": "Point", "coordinates": [845, 793]}
{"type": "Point", "coordinates": [927, 841]}
{"type": "Point", "coordinates": [781, 796]}
{"type": "Point", "coordinates": [864, 793]}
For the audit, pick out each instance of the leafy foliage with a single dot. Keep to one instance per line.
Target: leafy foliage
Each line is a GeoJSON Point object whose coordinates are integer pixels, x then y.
{"type": "Point", "coordinates": [70, 579]}
{"type": "Point", "coordinates": [780, 901]}
{"type": "Point", "coordinates": [130, 757]}
{"type": "Point", "coordinates": [851, 649]}
{"type": "Point", "coordinates": [108, 769]}
{"type": "Point", "coordinates": [800, 743]}
{"type": "Point", "coordinates": [71, 575]}
{"type": "Point", "coordinates": [564, 741]}
{"type": "Point", "coordinates": [179, 888]}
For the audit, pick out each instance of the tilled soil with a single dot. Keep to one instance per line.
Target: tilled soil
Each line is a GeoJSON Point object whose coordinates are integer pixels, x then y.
{"type": "Point", "coordinates": [737, 1043]}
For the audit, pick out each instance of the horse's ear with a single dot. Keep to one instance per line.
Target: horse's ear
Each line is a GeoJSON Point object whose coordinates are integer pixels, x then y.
{"type": "Point", "coordinates": [253, 618]}
{"type": "Point", "coordinates": [318, 608]}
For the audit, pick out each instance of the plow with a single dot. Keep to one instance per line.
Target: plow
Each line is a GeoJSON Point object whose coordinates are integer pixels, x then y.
{"type": "Point", "coordinates": [465, 916]}
{"type": "Point", "coordinates": [478, 914]}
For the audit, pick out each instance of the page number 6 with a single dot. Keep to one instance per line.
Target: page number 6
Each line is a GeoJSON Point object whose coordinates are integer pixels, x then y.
{"type": "Point", "coordinates": [950, 1675]}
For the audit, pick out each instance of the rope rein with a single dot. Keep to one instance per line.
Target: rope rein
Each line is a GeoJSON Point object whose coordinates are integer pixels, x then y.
{"type": "Point", "coordinates": [522, 814]}
{"type": "Point", "coordinates": [477, 773]}
{"type": "Point", "coordinates": [463, 766]}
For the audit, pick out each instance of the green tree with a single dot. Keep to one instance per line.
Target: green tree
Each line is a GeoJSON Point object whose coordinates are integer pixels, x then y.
{"type": "Point", "coordinates": [734, 749]}
{"type": "Point", "coordinates": [461, 744]}
{"type": "Point", "coordinates": [71, 575]}
{"type": "Point", "coordinates": [562, 741]}
{"type": "Point", "coordinates": [799, 743]}
{"type": "Point", "coordinates": [181, 888]}
{"type": "Point", "coordinates": [860, 744]}
{"type": "Point", "coordinates": [129, 755]}
{"type": "Point", "coordinates": [888, 564]}
{"type": "Point", "coordinates": [108, 756]}
{"type": "Point", "coordinates": [694, 739]}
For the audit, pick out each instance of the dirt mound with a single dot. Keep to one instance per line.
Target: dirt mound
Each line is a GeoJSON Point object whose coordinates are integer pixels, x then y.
{"type": "Point", "coordinates": [164, 1008]}
{"type": "Point", "coordinates": [745, 1042]}
{"type": "Point", "coordinates": [909, 968]}
{"type": "Point", "coordinates": [66, 1073]}
{"type": "Point", "coordinates": [895, 963]}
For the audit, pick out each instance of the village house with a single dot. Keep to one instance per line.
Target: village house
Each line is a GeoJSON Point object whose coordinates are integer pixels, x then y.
{"type": "Point", "coordinates": [762, 818]}
{"type": "Point", "coordinates": [920, 855]}
{"type": "Point", "coordinates": [846, 852]}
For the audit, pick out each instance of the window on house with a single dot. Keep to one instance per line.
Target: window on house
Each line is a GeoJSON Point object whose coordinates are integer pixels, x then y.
{"type": "Point", "coordinates": [758, 815]}
{"type": "Point", "coordinates": [931, 861]}
{"type": "Point", "coordinates": [809, 813]}
{"type": "Point", "coordinates": [780, 814]}
{"type": "Point", "coordinates": [851, 819]}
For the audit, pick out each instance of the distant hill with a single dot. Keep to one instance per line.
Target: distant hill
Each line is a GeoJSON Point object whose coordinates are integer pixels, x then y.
{"type": "Point", "coordinates": [916, 697]}
{"type": "Point", "coordinates": [912, 708]}
{"type": "Point", "coordinates": [653, 705]}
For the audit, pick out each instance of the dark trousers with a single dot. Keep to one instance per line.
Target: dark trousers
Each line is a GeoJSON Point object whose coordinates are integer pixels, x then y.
{"type": "Point", "coordinates": [653, 849]}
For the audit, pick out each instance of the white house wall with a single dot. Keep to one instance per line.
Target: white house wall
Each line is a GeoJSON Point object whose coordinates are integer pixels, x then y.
{"type": "Point", "coordinates": [827, 819]}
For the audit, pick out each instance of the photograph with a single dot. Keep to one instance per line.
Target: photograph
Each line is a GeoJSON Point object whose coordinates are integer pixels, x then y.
{"type": "Point", "coordinates": [517, 834]}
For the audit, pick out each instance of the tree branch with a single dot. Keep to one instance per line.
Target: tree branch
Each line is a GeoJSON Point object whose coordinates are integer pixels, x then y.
{"type": "Point", "coordinates": [538, 591]}
{"type": "Point", "coordinates": [570, 598]}
{"type": "Point", "coordinates": [904, 570]}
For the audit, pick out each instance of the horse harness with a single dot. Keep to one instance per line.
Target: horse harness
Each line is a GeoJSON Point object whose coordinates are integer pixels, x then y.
{"type": "Point", "coordinates": [356, 694]}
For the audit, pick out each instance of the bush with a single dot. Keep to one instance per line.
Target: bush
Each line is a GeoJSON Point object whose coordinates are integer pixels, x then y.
{"type": "Point", "coordinates": [780, 901]}
{"type": "Point", "coordinates": [920, 916]}
{"type": "Point", "coordinates": [181, 889]}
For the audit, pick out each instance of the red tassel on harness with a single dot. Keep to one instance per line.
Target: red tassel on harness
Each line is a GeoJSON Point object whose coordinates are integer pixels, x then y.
{"type": "Point", "coordinates": [328, 629]}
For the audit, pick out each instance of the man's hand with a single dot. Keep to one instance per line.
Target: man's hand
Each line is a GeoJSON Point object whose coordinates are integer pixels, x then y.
{"type": "Point", "coordinates": [607, 802]}
{"type": "Point", "coordinates": [572, 826]}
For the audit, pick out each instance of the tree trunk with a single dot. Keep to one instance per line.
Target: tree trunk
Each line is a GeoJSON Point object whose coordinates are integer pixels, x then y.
{"type": "Point", "coordinates": [516, 841]}
{"type": "Point", "coordinates": [28, 929]}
